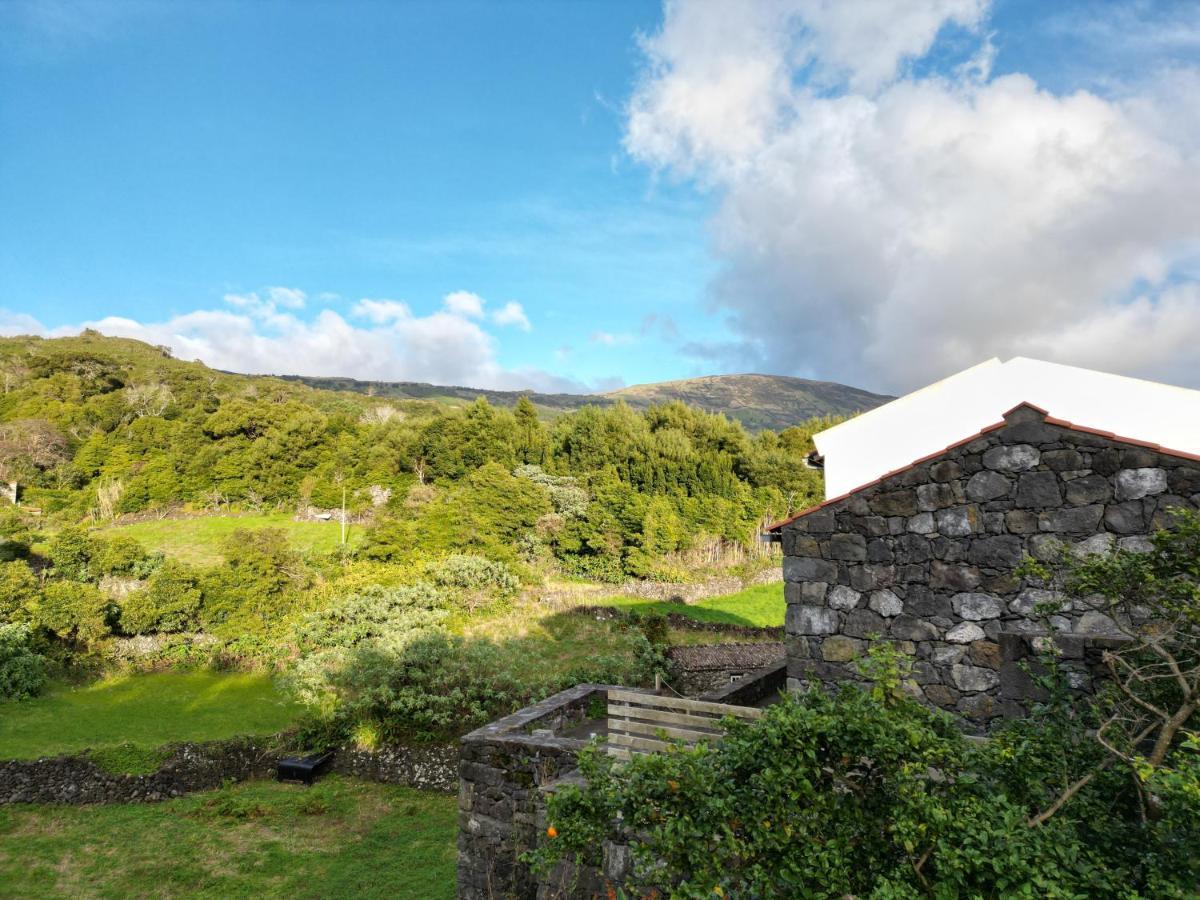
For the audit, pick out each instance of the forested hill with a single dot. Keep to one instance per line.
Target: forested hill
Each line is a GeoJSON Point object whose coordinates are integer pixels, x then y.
{"type": "Point", "coordinates": [757, 401]}
{"type": "Point", "coordinates": [94, 428]}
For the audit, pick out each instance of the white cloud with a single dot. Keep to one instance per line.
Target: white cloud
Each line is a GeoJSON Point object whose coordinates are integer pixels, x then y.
{"type": "Point", "coordinates": [512, 313]}
{"type": "Point", "coordinates": [608, 339]}
{"type": "Point", "coordinates": [381, 311]}
{"type": "Point", "coordinates": [393, 344]}
{"type": "Point", "coordinates": [885, 228]}
{"type": "Point", "coordinates": [465, 303]}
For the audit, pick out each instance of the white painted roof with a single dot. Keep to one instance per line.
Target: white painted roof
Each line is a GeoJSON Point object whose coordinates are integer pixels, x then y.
{"type": "Point", "coordinates": [913, 426]}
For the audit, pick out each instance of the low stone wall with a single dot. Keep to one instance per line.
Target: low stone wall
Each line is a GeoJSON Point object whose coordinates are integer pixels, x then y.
{"type": "Point", "coordinates": [75, 779]}
{"type": "Point", "coordinates": [679, 620]}
{"type": "Point", "coordinates": [690, 593]}
{"type": "Point", "coordinates": [430, 767]}
{"type": "Point", "coordinates": [503, 768]}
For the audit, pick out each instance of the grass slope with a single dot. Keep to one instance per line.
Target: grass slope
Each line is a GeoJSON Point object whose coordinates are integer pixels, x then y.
{"type": "Point", "coordinates": [339, 838]}
{"type": "Point", "coordinates": [761, 606]}
{"type": "Point", "coordinates": [145, 710]}
{"type": "Point", "coordinates": [197, 541]}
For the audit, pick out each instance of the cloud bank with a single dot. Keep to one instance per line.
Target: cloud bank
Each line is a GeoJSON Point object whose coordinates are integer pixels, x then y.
{"type": "Point", "coordinates": [380, 340]}
{"type": "Point", "coordinates": [886, 221]}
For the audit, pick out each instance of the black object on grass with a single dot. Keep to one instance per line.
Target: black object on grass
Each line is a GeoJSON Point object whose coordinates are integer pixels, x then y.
{"type": "Point", "coordinates": [304, 768]}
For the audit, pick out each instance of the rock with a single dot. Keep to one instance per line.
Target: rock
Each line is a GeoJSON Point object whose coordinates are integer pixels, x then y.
{"type": "Point", "coordinates": [895, 503]}
{"type": "Point", "coordinates": [811, 620]}
{"type": "Point", "coordinates": [987, 485]}
{"type": "Point", "coordinates": [1140, 543]}
{"type": "Point", "coordinates": [843, 598]}
{"type": "Point", "coordinates": [839, 648]}
{"type": "Point", "coordinates": [1000, 552]}
{"type": "Point", "coordinates": [1038, 490]}
{"type": "Point", "coordinates": [864, 623]}
{"type": "Point", "coordinates": [979, 707]}
{"type": "Point", "coordinates": [885, 603]}
{"type": "Point", "coordinates": [1015, 458]}
{"type": "Point", "coordinates": [923, 603]}
{"type": "Point", "coordinates": [1126, 518]}
{"type": "Point", "coordinates": [973, 678]}
{"type": "Point", "coordinates": [879, 551]}
{"type": "Point", "coordinates": [935, 496]}
{"type": "Point", "coordinates": [1093, 622]}
{"type": "Point", "coordinates": [1134, 484]}
{"type": "Point", "coordinates": [922, 523]}
{"type": "Point", "coordinates": [1029, 600]}
{"type": "Point", "coordinates": [808, 568]}
{"type": "Point", "coordinates": [1078, 520]}
{"type": "Point", "coordinates": [908, 628]}
{"type": "Point", "coordinates": [1021, 521]}
{"type": "Point", "coordinates": [1096, 544]}
{"type": "Point", "coordinates": [965, 633]}
{"type": "Point", "coordinates": [954, 578]}
{"type": "Point", "coordinates": [851, 547]}
{"type": "Point", "coordinates": [959, 521]}
{"type": "Point", "coordinates": [948, 654]}
{"type": "Point", "coordinates": [872, 576]}
{"type": "Point", "coordinates": [986, 654]}
{"type": "Point", "coordinates": [946, 470]}
{"type": "Point", "coordinates": [1088, 489]}
{"type": "Point", "coordinates": [812, 593]}
{"type": "Point", "coordinates": [1063, 460]}
{"type": "Point", "coordinates": [940, 695]}
{"type": "Point", "coordinates": [977, 607]}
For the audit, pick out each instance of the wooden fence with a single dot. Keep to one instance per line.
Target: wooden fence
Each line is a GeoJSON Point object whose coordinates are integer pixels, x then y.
{"type": "Point", "coordinates": [647, 723]}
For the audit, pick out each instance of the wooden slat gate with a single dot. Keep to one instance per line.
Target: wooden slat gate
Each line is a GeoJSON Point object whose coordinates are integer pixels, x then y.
{"type": "Point", "coordinates": [648, 723]}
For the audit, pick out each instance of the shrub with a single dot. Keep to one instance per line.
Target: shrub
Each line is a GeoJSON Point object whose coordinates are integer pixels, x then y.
{"type": "Point", "coordinates": [170, 602]}
{"type": "Point", "coordinates": [73, 611]}
{"type": "Point", "coordinates": [473, 580]}
{"type": "Point", "coordinates": [22, 669]}
{"type": "Point", "coordinates": [19, 592]}
{"type": "Point", "coordinates": [122, 555]}
{"type": "Point", "coordinates": [867, 793]}
{"type": "Point", "coordinates": [371, 614]}
{"type": "Point", "coordinates": [71, 552]}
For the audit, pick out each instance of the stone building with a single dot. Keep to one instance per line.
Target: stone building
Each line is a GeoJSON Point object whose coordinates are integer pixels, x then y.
{"type": "Point", "coordinates": [925, 556]}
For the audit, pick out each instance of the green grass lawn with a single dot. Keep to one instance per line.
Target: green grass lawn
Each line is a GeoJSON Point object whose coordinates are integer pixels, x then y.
{"type": "Point", "coordinates": [339, 838]}
{"type": "Point", "coordinates": [145, 710]}
{"type": "Point", "coordinates": [197, 541]}
{"type": "Point", "coordinates": [761, 606]}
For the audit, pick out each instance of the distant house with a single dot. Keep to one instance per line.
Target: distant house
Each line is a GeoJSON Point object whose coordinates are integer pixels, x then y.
{"type": "Point", "coordinates": [935, 498]}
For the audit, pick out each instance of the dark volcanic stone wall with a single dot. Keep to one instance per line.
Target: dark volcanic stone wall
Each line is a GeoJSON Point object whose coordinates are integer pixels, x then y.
{"type": "Point", "coordinates": [926, 556]}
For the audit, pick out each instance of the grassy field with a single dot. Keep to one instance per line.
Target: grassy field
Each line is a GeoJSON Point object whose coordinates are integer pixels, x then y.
{"type": "Point", "coordinates": [197, 541]}
{"type": "Point", "coordinates": [760, 606]}
{"type": "Point", "coordinates": [339, 838]}
{"type": "Point", "coordinates": [144, 710]}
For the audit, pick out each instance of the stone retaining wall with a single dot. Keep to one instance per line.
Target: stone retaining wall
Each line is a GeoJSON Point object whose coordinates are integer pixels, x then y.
{"type": "Point", "coordinates": [703, 668]}
{"type": "Point", "coordinates": [75, 779]}
{"type": "Point", "coordinates": [925, 557]}
{"type": "Point", "coordinates": [503, 769]}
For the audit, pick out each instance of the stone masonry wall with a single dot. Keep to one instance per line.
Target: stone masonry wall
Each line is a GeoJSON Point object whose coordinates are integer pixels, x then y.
{"type": "Point", "coordinates": [76, 779]}
{"type": "Point", "coordinates": [926, 556]}
{"type": "Point", "coordinates": [504, 768]}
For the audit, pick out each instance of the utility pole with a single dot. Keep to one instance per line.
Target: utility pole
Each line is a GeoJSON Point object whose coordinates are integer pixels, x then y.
{"type": "Point", "coordinates": [343, 515]}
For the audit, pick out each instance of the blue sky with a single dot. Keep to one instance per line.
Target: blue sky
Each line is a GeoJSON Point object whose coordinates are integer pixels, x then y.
{"type": "Point", "coordinates": [236, 179]}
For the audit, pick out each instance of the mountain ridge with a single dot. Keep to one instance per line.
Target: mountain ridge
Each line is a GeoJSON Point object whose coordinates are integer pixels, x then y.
{"type": "Point", "coordinates": [757, 400]}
